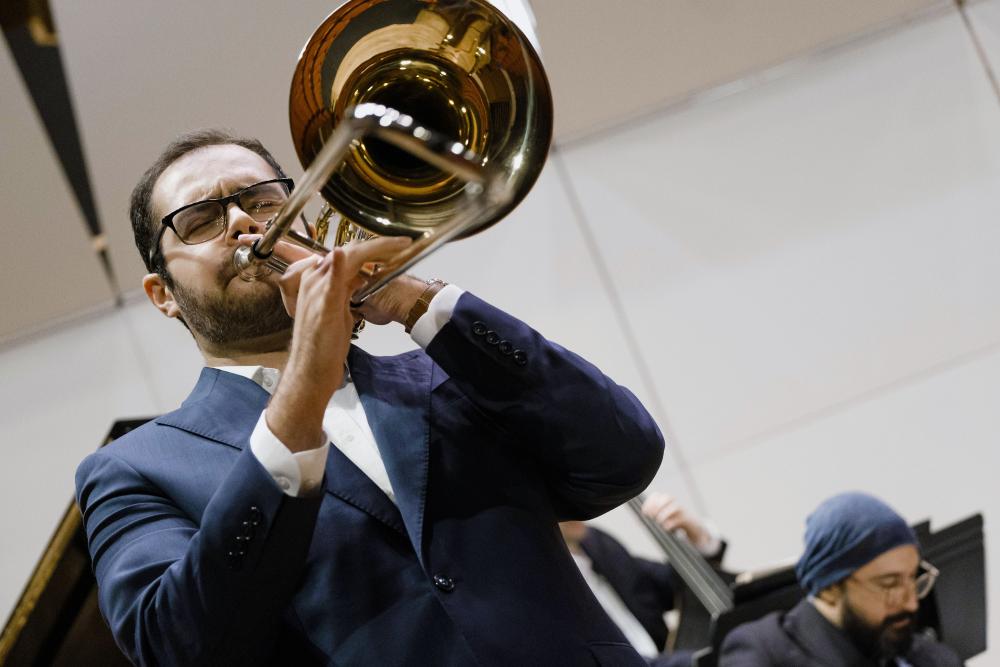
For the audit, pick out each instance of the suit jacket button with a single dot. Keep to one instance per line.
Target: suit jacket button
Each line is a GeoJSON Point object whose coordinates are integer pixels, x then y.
{"type": "Point", "coordinates": [492, 337]}
{"type": "Point", "coordinates": [520, 358]}
{"type": "Point", "coordinates": [446, 584]}
{"type": "Point", "coordinates": [479, 328]}
{"type": "Point", "coordinates": [505, 347]}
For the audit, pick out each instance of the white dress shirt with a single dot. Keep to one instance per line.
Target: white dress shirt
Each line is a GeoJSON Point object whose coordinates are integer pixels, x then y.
{"type": "Point", "coordinates": [345, 425]}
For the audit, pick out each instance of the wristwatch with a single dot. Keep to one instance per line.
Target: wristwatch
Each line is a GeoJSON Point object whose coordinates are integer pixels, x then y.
{"type": "Point", "coordinates": [423, 301]}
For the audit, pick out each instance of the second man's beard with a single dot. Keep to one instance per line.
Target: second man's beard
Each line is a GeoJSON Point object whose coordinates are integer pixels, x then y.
{"type": "Point", "coordinates": [229, 322]}
{"type": "Point", "coordinates": [881, 641]}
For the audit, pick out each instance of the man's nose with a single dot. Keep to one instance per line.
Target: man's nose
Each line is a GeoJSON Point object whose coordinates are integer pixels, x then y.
{"type": "Point", "coordinates": [910, 602]}
{"type": "Point", "coordinates": [240, 222]}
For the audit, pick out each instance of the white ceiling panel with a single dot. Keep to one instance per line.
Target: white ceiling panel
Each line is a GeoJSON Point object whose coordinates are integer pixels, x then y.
{"type": "Point", "coordinates": [612, 61]}
{"type": "Point", "coordinates": [142, 72]}
{"type": "Point", "coordinates": [805, 243]}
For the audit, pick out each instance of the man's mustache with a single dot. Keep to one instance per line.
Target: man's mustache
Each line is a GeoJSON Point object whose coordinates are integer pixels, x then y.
{"type": "Point", "coordinates": [901, 616]}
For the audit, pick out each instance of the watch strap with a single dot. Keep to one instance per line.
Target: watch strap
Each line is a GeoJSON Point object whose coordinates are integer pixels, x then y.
{"type": "Point", "coordinates": [423, 302]}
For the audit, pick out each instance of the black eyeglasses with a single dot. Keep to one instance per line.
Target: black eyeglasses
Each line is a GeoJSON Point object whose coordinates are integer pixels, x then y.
{"type": "Point", "coordinates": [896, 590]}
{"type": "Point", "coordinates": [204, 220]}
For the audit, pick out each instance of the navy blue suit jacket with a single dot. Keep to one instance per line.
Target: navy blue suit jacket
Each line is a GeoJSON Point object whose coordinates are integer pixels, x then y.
{"type": "Point", "coordinates": [802, 637]}
{"type": "Point", "coordinates": [201, 559]}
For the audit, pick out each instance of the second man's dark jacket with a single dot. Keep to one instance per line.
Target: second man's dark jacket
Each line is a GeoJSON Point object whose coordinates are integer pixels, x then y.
{"type": "Point", "coordinates": [802, 637]}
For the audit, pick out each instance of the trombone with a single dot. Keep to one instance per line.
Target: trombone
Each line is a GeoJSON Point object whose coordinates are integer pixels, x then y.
{"type": "Point", "coordinates": [485, 124]}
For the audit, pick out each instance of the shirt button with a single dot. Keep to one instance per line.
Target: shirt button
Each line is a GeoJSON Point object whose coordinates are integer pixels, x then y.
{"type": "Point", "coordinates": [446, 584]}
{"type": "Point", "coordinates": [284, 483]}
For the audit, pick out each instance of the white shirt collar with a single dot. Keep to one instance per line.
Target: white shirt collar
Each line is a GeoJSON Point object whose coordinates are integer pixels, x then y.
{"type": "Point", "coordinates": [267, 378]}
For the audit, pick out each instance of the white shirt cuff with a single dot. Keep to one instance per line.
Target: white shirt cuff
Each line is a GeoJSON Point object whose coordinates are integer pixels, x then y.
{"type": "Point", "coordinates": [438, 313]}
{"type": "Point", "coordinates": [298, 474]}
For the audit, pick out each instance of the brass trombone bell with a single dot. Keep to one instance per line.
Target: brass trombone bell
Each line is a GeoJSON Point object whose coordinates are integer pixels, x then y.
{"type": "Point", "coordinates": [423, 118]}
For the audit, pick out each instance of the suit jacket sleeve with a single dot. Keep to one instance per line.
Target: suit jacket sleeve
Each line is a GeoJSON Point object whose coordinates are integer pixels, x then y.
{"type": "Point", "coordinates": [659, 578]}
{"type": "Point", "coordinates": [596, 444]}
{"type": "Point", "coordinates": [177, 592]}
{"type": "Point", "coordinates": [630, 575]}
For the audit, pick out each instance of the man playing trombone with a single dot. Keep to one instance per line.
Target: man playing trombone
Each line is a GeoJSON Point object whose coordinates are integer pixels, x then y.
{"type": "Point", "coordinates": [312, 504]}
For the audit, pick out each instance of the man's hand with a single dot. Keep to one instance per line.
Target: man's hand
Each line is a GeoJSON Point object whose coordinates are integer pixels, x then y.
{"type": "Point", "coordinates": [393, 302]}
{"type": "Point", "coordinates": [665, 511]}
{"type": "Point", "coordinates": [317, 292]}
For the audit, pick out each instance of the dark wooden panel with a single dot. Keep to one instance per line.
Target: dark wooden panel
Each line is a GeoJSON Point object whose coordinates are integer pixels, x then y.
{"type": "Point", "coordinates": [57, 621]}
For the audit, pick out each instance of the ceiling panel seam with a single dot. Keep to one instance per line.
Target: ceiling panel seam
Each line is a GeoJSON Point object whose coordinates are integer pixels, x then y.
{"type": "Point", "coordinates": [674, 449]}
{"type": "Point", "coordinates": [844, 405]}
{"type": "Point", "coordinates": [56, 325]}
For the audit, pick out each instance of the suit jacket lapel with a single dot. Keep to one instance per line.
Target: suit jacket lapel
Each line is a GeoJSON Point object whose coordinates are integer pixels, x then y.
{"type": "Point", "coordinates": [347, 482]}
{"type": "Point", "coordinates": [223, 407]}
{"type": "Point", "coordinates": [821, 640]}
{"type": "Point", "coordinates": [395, 393]}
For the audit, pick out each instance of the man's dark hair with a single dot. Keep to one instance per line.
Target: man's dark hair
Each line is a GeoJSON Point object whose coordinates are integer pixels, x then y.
{"type": "Point", "coordinates": [144, 227]}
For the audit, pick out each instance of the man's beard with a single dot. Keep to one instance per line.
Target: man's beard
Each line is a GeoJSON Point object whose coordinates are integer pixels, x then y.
{"type": "Point", "coordinates": [881, 641]}
{"type": "Point", "coordinates": [228, 322]}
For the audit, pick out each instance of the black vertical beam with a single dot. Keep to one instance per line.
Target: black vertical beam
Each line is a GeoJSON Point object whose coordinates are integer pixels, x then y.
{"type": "Point", "coordinates": [31, 37]}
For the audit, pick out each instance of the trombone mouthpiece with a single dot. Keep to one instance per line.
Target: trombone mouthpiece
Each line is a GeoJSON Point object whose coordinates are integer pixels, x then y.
{"type": "Point", "coordinates": [247, 266]}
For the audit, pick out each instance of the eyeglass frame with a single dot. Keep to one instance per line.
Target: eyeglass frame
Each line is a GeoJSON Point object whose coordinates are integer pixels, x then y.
{"type": "Point", "coordinates": [930, 573]}
{"type": "Point", "coordinates": [167, 221]}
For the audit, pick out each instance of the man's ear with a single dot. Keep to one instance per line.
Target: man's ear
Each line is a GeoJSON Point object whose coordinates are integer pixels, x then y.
{"type": "Point", "coordinates": [160, 295]}
{"type": "Point", "coordinates": [831, 595]}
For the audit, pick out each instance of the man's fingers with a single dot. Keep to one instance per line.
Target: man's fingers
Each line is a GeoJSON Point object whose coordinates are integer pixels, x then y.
{"type": "Point", "coordinates": [376, 250]}
{"type": "Point", "coordinates": [655, 502]}
{"type": "Point", "coordinates": [296, 271]}
{"type": "Point", "coordinates": [670, 513]}
{"type": "Point", "coordinates": [291, 252]}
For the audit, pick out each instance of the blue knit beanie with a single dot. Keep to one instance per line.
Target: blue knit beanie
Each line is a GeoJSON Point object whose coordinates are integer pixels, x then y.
{"type": "Point", "coordinates": [844, 533]}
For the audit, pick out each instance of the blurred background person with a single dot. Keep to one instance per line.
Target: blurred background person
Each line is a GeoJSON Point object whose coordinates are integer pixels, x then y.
{"type": "Point", "coordinates": [637, 592]}
{"type": "Point", "coordinates": [864, 578]}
